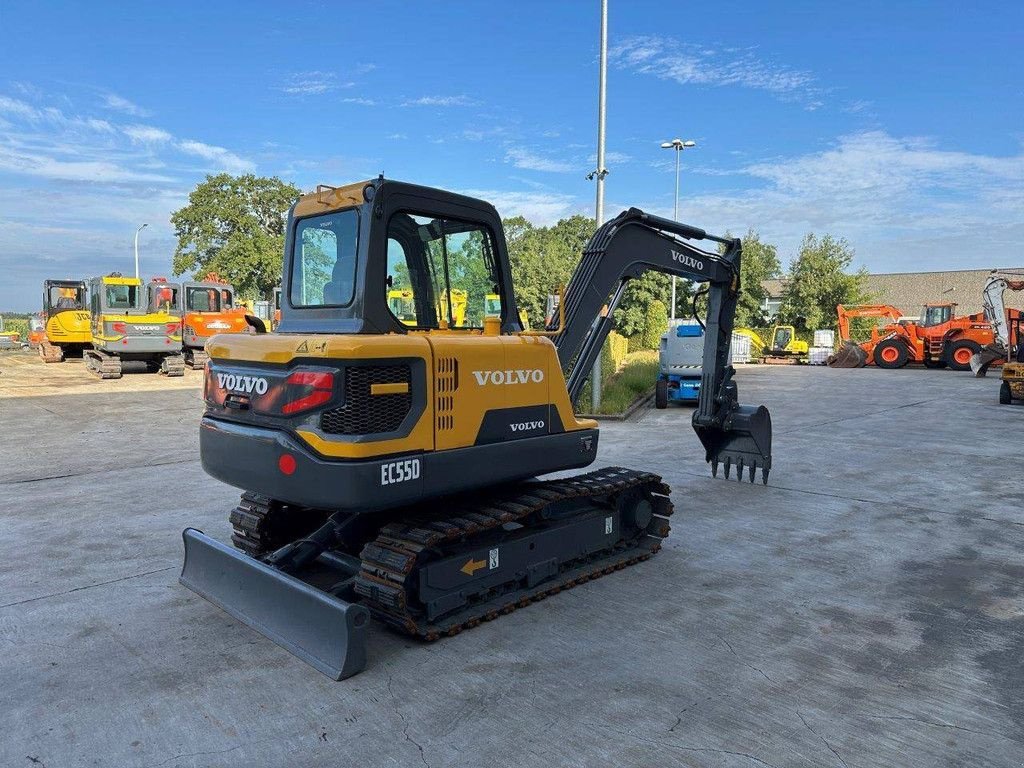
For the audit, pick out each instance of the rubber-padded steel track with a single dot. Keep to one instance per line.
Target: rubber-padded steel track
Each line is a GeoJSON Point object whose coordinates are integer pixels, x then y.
{"type": "Point", "coordinates": [104, 365]}
{"type": "Point", "coordinates": [173, 366]}
{"type": "Point", "coordinates": [392, 562]}
{"type": "Point", "coordinates": [51, 353]}
{"type": "Point", "coordinates": [196, 358]}
{"type": "Point", "coordinates": [261, 525]}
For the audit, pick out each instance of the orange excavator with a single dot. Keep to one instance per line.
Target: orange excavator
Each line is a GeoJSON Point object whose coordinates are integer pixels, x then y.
{"type": "Point", "coordinates": [938, 340]}
{"type": "Point", "coordinates": [210, 309]}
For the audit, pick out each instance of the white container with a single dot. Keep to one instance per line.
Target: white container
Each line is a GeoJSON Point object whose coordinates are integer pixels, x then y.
{"type": "Point", "coordinates": [819, 355]}
{"type": "Point", "coordinates": [740, 348]}
{"type": "Point", "coordinates": [825, 338]}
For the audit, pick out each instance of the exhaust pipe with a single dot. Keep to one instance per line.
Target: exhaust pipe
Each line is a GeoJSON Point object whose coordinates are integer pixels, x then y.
{"type": "Point", "coordinates": [324, 631]}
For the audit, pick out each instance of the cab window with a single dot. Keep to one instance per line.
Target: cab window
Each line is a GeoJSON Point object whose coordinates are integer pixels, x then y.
{"type": "Point", "coordinates": [121, 296]}
{"type": "Point", "coordinates": [202, 299]}
{"type": "Point", "coordinates": [324, 260]}
{"type": "Point", "coordinates": [441, 273]}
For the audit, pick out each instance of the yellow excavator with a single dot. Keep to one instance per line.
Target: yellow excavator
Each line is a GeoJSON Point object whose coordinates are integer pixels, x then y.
{"type": "Point", "coordinates": [66, 313]}
{"type": "Point", "coordinates": [403, 306]}
{"type": "Point", "coordinates": [388, 470]}
{"type": "Point", "coordinates": [783, 349]}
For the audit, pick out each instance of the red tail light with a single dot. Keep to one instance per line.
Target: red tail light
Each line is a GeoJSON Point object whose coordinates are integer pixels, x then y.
{"type": "Point", "coordinates": [307, 389]}
{"type": "Point", "coordinates": [172, 328]}
{"type": "Point", "coordinates": [120, 328]}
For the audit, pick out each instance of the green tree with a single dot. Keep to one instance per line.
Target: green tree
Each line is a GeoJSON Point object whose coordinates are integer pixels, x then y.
{"type": "Point", "coordinates": [543, 258]}
{"type": "Point", "coordinates": [641, 293]}
{"type": "Point", "coordinates": [760, 261]}
{"type": "Point", "coordinates": [234, 225]}
{"type": "Point", "coordinates": [818, 280]}
{"type": "Point", "coordinates": [655, 324]}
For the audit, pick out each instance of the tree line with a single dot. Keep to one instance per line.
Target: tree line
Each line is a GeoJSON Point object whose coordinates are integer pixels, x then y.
{"type": "Point", "coordinates": [234, 225]}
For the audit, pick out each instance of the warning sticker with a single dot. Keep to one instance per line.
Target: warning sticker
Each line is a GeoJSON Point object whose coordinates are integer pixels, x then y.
{"type": "Point", "coordinates": [608, 526]}
{"type": "Point", "coordinates": [492, 559]}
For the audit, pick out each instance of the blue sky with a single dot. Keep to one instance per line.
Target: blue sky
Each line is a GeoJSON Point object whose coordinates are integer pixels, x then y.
{"type": "Point", "coordinates": [897, 126]}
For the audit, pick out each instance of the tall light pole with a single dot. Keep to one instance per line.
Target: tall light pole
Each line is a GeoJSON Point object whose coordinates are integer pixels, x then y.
{"type": "Point", "coordinates": [678, 145]}
{"type": "Point", "coordinates": [599, 173]}
{"type": "Point", "coordinates": [137, 248]}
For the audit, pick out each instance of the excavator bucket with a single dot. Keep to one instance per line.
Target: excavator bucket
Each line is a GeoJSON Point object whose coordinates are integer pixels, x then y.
{"type": "Point", "coordinates": [983, 358]}
{"type": "Point", "coordinates": [850, 355]}
{"type": "Point", "coordinates": [325, 632]}
{"type": "Point", "coordinates": [746, 443]}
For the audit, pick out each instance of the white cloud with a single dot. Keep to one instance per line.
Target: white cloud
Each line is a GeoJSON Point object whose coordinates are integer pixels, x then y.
{"type": "Point", "coordinates": [220, 157]}
{"type": "Point", "coordinates": [441, 101]}
{"type": "Point", "coordinates": [146, 134]}
{"type": "Point", "coordinates": [313, 83]}
{"type": "Point", "coordinates": [96, 171]}
{"type": "Point", "coordinates": [524, 158]}
{"type": "Point", "coordinates": [542, 208]}
{"type": "Point", "coordinates": [17, 108]}
{"type": "Point", "coordinates": [121, 104]}
{"type": "Point", "coordinates": [397, 136]}
{"type": "Point", "coordinates": [360, 101]}
{"type": "Point", "coordinates": [904, 203]}
{"type": "Point", "coordinates": [669, 59]}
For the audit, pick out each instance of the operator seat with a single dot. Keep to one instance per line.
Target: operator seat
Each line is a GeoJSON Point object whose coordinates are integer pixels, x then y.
{"type": "Point", "coordinates": [338, 291]}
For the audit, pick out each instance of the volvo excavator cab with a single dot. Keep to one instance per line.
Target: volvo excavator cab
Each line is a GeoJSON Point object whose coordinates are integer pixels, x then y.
{"type": "Point", "coordinates": [388, 460]}
{"type": "Point", "coordinates": [132, 322]}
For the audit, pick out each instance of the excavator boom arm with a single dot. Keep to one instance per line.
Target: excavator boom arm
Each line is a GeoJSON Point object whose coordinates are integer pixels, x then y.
{"type": "Point", "coordinates": [625, 248]}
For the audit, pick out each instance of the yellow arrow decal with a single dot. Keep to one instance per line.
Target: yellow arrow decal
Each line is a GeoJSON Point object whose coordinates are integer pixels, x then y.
{"type": "Point", "coordinates": [472, 566]}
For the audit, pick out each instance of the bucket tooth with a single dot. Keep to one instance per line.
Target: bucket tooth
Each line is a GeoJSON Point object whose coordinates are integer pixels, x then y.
{"type": "Point", "coordinates": [714, 467]}
{"type": "Point", "coordinates": [739, 470]}
{"type": "Point", "coordinates": [753, 471]}
{"type": "Point", "coordinates": [728, 466]}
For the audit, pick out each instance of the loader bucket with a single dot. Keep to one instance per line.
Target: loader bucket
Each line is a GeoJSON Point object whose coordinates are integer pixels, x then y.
{"type": "Point", "coordinates": [850, 355]}
{"type": "Point", "coordinates": [744, 443]}
{"type": "Point", "coordinates": [983, 358]}
{"type": "Point", "coordinates": [325, 632]}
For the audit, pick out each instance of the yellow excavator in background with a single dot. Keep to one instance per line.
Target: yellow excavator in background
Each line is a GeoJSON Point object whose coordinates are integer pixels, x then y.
{"type": "Point", "coordinates": [403, 306]}
{"type": "Point", "coordinates": [784, 349]}
{"type": "Point", "coordinates": [386, 468]}
{"type": "Point", "coordinates": [67, 329]}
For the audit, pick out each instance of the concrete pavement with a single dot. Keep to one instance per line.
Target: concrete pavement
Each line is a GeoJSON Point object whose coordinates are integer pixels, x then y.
{"type": "Point", "coordinates": [866, 608]}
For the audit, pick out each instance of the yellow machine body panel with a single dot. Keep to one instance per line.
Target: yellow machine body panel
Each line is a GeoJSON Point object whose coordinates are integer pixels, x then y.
{"type": "Point", "coordinates": [1013, 376]}
{"type": "Point", "coordinates": [69, 327]}
{"type": "Point", "coordinates": [470, 376]}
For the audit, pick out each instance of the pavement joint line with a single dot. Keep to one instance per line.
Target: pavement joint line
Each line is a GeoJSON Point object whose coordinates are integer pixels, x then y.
{"type": "Point", "coordinates": [857, 416]}
{"type": "Point", "coordinates": [87, 586]}
{"type": "Point", "coordinates": [98, 471]}
{"type": "Point", "coordinates": [890, 503]}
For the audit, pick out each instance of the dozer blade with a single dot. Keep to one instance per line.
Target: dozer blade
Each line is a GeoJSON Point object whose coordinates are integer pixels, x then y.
{"type": "Point", "coordinates": [850, 355]}
{"type": "Point", "coordinates": [744, 443]}
{"type": "Point", "coordinates": [325, 632]}
{"type": "Point", "coordinates": [983, 358]}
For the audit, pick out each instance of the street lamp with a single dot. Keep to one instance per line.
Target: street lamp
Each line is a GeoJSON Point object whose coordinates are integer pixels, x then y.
{"type": "Point", "coordinates": [137, 246]}
{"type": "Point", "coordinates": [678, 145]}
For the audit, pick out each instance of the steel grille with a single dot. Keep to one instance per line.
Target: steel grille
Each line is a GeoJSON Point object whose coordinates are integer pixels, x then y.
{"type": "Point", "coordinates": [446, 381]}
{"type": "Point", "coordinates": [366, 414]}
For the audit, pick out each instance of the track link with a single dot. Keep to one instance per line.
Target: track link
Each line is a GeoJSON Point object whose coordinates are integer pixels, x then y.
{"type": "Point", "coordinates": [261, 525]}
{"type": "Point", "coordinates": [50, 353]}
{"type": "Point", "coordinates": [392, 562]}
{"type": "Point", "coordinates": [104, 365]}
{"type": "Point", "coordinates": [196, 358]}
{"type": "Point", "coordinates": [173, 366]}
